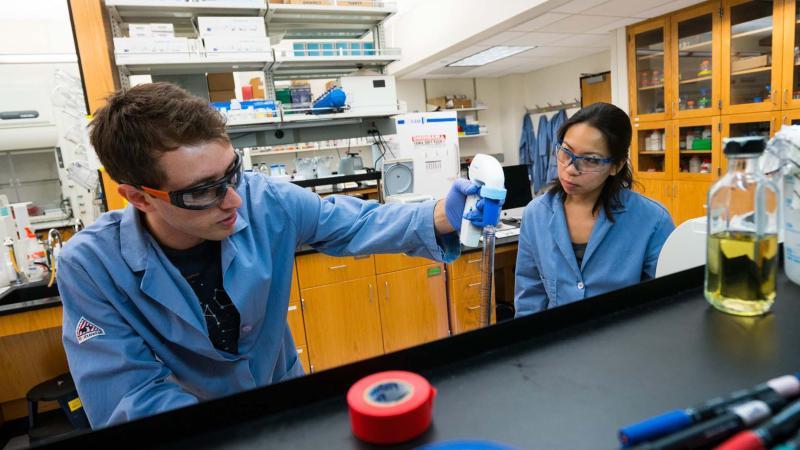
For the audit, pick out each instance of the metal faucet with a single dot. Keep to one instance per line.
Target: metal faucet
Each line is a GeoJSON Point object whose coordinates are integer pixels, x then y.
{"type": "Point", "coordinates": [17, 271]}
{"type": "Point", "coordinates": [54, 236]}
{"type": "Point", "coordinates": [78, 225]}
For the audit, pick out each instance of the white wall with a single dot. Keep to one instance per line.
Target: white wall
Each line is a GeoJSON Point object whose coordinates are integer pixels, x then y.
{"type": "Point", "coordinates": [507, 99]}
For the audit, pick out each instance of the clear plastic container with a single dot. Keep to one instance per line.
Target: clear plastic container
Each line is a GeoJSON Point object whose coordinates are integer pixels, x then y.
{"type": "Point", "coordinates": [743, 214]}
{"type": "Point", "coordinates": [783, 163]}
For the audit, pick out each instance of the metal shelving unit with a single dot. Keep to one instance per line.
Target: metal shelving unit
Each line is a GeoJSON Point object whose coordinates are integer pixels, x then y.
{"type": "Point", "coordinates": [346, 20]}
{"type": "Point", "coordinates": [292, 21]}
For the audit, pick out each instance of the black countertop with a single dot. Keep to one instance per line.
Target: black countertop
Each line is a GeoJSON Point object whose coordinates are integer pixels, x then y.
{"type": "Point", "coordinates": [567, 378]}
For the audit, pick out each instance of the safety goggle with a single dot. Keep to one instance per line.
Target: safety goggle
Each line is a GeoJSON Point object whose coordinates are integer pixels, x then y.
{"type": "Point", "coordinates": [204, 196]}
{"type": "Point", "coordinates": [585, 164]}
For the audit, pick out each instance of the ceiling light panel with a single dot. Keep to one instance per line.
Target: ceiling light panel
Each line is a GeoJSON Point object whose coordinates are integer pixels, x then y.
{"type": "Point", "coordinates": [490, 55]}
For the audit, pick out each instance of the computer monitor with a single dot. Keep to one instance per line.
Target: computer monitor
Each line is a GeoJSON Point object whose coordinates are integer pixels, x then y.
{"type": "Point", "coordinates": [518, 188]}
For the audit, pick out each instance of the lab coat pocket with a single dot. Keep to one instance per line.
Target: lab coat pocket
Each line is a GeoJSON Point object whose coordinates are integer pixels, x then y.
{"type": "Point", "coordinates": [550, 289]}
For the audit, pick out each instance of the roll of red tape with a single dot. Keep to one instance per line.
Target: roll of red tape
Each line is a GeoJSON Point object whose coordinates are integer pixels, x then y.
{"type": "Point", "coordinates": [390, 407]}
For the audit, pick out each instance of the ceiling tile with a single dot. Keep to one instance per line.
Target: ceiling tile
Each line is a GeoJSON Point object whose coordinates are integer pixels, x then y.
{"type": "Point", "coordinates": [579, 24]}
{"type": "Point", "coordinates": [539, 22]}
{"type": "Point", "coordinates": [537, 38]}
{"type": "Point", "coordinates": [625, 8]}
{"type": "Point", "coordinates": [623, 22]}
{"type": "Point", "coordinates": [502, 38]}
{"type": "Point", "coordinates": [584, 41]}
{"type": "Point", "coordinates": [545, 51]}
{"type": "Point", "coordinates": [576, 6]}
{"type": "Point", "coordinates": [668, 8]}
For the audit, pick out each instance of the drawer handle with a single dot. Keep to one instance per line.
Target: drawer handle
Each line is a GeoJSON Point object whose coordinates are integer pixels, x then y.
{"type": "Point", "coordinates": [361, 257]}
{"type": "Point", "coordinates": [293, 308]}
{"type": "Point", "coordinates": [386, 285]}
{"type": "Point", "coordinates": [473, 261]}
{"type": "Point", "coordinates": [474, 284]}
{"type": "Point", "coordinates": [370, 292]}
{"type": "Point", "coordinates": [340, 266]}
{"type": "Point", "coordinates": [473, 308]}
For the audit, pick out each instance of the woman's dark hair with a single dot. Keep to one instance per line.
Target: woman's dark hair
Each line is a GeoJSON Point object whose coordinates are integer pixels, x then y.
{"type": "Point", "coordinates": [615, 126]}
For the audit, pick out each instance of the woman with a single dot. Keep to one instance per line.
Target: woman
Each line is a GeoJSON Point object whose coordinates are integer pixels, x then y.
{"type": "Point", "coordinates": [590, 233]}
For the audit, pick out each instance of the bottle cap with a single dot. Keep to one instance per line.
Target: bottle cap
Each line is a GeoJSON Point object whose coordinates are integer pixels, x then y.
{"type": "Point", "coordinates": [753, 145]}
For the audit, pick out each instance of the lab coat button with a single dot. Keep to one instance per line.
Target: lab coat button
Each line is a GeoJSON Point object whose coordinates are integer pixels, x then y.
{"type": "Point", "coordinates": [580, 285]}
{"type": "Point", "coordinates": [246, 329]}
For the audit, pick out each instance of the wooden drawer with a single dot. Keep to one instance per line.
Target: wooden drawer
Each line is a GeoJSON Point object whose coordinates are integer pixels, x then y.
{"type": "Point", "coordinates": [316, 269]}
{"type": "Point", "coordinates": [302, 354]}
{"type": "Point", "coordinates": [295, 319]}
{"type": "Point", "coordinates": [393, 263]}
{"type": "Point", "coordinates": [465, 304]}
{"type": "Point", "coordinates": [294, 293]}
{"type": "Point", "coordinates": [466, 266]}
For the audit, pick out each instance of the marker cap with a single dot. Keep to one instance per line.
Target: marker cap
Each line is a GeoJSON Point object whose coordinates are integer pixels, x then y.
{"type": "Point", "coordinates": [654, 427]}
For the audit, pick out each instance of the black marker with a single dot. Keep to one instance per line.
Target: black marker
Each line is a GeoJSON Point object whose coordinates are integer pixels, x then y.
{"type": "Point", "coordinates": [716, 430]}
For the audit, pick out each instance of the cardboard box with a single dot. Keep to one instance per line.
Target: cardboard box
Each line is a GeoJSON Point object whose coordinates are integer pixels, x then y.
{"type": "Point", "coordinates": [221, 96]}
{"type": "Point", "coordinates": [258, 90]}
{"type": "Point", "coordinates": [228, 44]}
{"type": "Point", "coordinates": [221, 82]}
{"type": "Point", "coordinates": [462, 102]}
{"type": "Point", "coordinates": [753, 62]}
{"type": "Point", "coordinates": [365, 3]}
{"type": "Point", "coordinates": [310, 2]}
{"type": "Point", "coordinates": [226, 26]}
{"type": "Point", "coordinates": [151, 45]}
{"type": "Point", "coordinates": [440, 102]}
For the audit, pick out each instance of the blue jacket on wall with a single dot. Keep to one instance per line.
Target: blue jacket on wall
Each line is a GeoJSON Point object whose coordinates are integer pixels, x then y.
{"type": "Point", "coordinates": [527, 148]}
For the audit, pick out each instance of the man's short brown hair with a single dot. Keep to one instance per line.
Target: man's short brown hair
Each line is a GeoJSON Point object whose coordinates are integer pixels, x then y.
{"type": "Point", "coordinates": [131, 131]}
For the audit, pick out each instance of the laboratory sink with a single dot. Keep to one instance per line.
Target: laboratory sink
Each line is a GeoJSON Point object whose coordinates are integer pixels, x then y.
{"type": "Point", "coordinates": [28, 293]}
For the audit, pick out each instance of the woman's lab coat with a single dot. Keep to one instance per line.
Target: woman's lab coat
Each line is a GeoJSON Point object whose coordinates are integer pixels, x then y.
{"type": "Point", "coordinates": [135, 337]}
{"type": "Point", "coordinates": [618, 254]}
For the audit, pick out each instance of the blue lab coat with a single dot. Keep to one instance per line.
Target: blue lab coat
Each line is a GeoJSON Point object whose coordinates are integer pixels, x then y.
{"type": "Point", "coordinates": [542, 152]}
{"type": "Point", "coordinates": [618, 254]}
{"type": "Point", "coordinates": [527, 148]}
{"type": "Point", "coordinates": [555, 123]}
{"type": "Point", "coordinates": [154, 353]}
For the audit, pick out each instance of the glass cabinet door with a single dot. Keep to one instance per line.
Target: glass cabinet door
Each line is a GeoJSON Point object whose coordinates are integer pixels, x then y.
{"type": "Point", "coordinates": [646, 43]}
{"type": "Point", "coordinates": [791, 54]}
{"type": "Point", "coordinates": [744, 125]}
{"type": "Point", "coordinates": [751, 48]}
{"type": "Point", "coordinates": [698, 149]}
{"type": "Point", "coordinates": [649, 149]}
{"type": "Point", "coordinates": [696, 43]}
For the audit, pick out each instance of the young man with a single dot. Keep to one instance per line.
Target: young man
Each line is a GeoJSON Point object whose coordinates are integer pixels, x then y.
{"type": "Point", "coordinates": [182, 296]}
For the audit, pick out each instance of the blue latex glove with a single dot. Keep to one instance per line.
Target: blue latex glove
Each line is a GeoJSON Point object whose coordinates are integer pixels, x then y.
{"type": "Point", "coordinates": [455, 200]}
{"type": "Point", "coordinates": [476, 216]}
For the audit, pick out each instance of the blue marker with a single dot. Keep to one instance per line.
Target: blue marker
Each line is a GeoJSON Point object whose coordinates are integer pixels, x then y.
{"type": "Point", "coordinates": [787, 386]}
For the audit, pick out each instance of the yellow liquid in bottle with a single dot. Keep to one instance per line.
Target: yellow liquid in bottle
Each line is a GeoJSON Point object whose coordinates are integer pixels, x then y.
{"type": "Point", "coordinates": [740, 273]}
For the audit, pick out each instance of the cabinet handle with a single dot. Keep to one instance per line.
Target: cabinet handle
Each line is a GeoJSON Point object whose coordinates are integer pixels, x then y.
{"type": "Point", "coordinates": [473, 261]}
{"type": "Point", "coordinates": [674, 109]}
{"type": "Point", "coordinates": [786, 96]}
{"type": "Point", "coordinates": [473, 308]}
{"type": "Point", "coordinates": [773, 97]}
{"type": "Point", "coordinates": [341, 266]}
{"type": "Point", "coordinates": [474, 284]}
{"type": "Point", "coordinates": [370, 292]}
{"type": "Point", "coordinates": [386, 285]}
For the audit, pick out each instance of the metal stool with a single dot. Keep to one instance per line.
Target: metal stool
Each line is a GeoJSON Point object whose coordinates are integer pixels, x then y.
{"type": "Point", "coordinates": [60, 389]}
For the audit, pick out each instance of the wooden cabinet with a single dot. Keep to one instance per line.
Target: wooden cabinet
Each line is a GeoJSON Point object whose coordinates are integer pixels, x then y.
{"type": "Point", "coordinates": [648, 47]}
{"type": "Point", "coordinates": [296, 325]}
{"type": "Point", "coordinates": [756, 124]}
{"type": "Point", "coordinates": [751, 55]}
{"type": "Point", "coordinates": [316, 269]}
{"type": "Point", "coordinates": [791, 117]}
{"type": "Point", "coordinates": [658, 190]}
{"type": "Point", "coordinates": [696, 40]}
{"type": "Point", "coordinates": [689, 200]}
{"type": "Point", "coordinates": [464, 287]}
{"type": "Point", "coordinates": [343, 322]}
{"type": "Point", "coordinates": [413, 306]}
{"type": "Point", "coordinates": [302, 354]}
{"type": "Point", "coordinates": [394, 262]}
{"type": "Point", "coordinates": [649, 144]}
{"type": "Point", "coordinates": [791, 55]}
